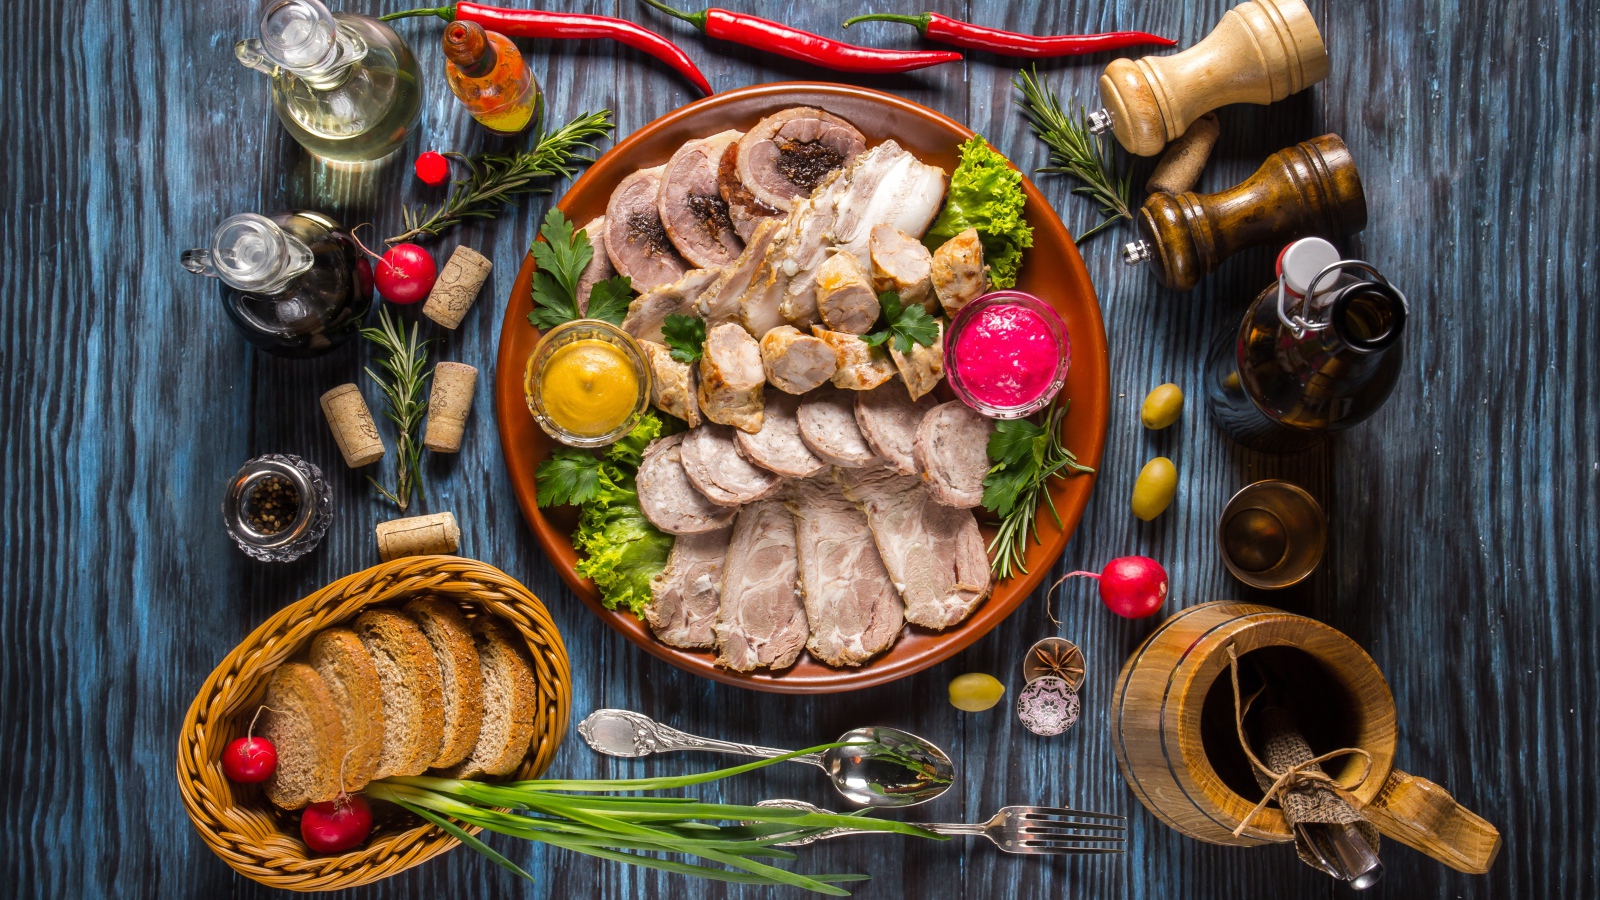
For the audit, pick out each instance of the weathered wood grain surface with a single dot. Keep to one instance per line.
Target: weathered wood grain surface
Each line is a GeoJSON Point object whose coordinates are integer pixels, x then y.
{"type": "Point", "coordinates": [1463, 546]}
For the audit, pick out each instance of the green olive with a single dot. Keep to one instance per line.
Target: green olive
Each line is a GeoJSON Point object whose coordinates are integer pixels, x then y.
{"type": "Point", "coordinates": [1152, 493]}
{"type": "Point", "coordinates": [975, 691]}
{"type": "Point", "coordinates": [1162, 407]}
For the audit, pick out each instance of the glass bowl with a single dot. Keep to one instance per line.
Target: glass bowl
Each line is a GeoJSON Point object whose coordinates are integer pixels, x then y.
{"type": "Point", "coordinates": [570, 333]}
{"type": "Point", "coordinates": [968, 317]}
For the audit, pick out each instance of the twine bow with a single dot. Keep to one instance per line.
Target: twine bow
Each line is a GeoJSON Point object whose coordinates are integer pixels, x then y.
{"type": "Point", "coordinates": [1298, 775]}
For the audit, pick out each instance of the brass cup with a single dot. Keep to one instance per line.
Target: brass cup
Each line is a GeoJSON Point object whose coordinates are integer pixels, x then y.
{"type": "Point", "coordinates": [1272, 534]}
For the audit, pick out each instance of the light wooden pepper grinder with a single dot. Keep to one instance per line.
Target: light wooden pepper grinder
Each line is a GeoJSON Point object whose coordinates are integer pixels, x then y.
{"type": "Point", "coordinates": [1309, 190]}
{"type": "Point", "coordinates": [1261, 52]}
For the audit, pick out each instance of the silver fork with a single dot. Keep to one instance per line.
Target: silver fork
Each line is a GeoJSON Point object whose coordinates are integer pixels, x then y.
{"type": "Point", "coordinates": [1014, 829]}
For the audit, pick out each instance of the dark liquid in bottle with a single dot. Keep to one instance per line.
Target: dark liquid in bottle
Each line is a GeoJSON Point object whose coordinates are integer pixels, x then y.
{"type": "Point", "coordinates": [318, 309]}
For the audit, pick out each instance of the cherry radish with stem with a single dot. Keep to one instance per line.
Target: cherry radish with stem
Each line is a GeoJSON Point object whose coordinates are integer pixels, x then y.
{"type": "Point", "coordinates": [1130, 586]}
{"type": "Point", "coordinates": [250, 759]}
{"type": "Point", "coordinates": [337, 825]}
{"type": "Point", "coordinates": [405, 272]}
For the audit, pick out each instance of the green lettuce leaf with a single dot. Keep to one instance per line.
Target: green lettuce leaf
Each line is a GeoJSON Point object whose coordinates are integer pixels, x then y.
{"type": "Point", "coordinates": [621, 550]}
{"type": "Point", "coordinates": [986, 194]}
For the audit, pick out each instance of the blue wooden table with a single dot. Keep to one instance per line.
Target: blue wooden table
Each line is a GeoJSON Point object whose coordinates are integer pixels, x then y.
{"type": "Point", "coordinates": [1462, 551]}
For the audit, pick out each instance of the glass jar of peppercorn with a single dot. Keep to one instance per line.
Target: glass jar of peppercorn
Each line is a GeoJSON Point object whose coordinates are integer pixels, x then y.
{"type": "Point", "coordinates": [277, 507]}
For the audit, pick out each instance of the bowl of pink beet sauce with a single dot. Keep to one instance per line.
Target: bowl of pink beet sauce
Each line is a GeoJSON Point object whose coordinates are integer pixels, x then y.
{"type": "Point", "coordinates": [1006, 354]}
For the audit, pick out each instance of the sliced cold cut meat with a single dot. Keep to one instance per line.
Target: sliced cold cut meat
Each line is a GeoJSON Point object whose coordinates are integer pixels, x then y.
{"type": "Point", "coordinates": [777, 446]}
{"type": "Point", "coordinates": [862, 366]}
{"type": "Point", "coordinates": [828, 427]}
{"type": "Point", "coordinates": [669, 499]}
{"type": "Point", "coordinates": [959, 275]}
{"type": "Point", "coordinates": [743, 208]}
{"type": "Point", "coordinates": [691, 206]}
{"type": "Point", "coordinates": [789, 153]}
{"type": "Point", "coordinates": [719, 303]}
{"type": "Point", "coordinates": [796, 362]}
{"type": "Point", "coordinates": [852, 606]}
{"type": "Point", "coordinates": [901, 264]}
{"type": "Point", "coordinates": [599, 267]}
{"type": "Point", "coordinates": [845, 299]}
{"type": "Point", "coordinates": [672, 384]}
{"type": "Point", "coordinates": [921, 368]}
{"type": "Point", "coordinates": [635, 239]}
{"type": "Point", "coordinates": [952, 453]}
{"type": "Point", "coordinates": [761, 622]}
{"type": "Point", "coordinates": [686, 595]}
{"type": "Point", "coordinates": [731, 378]}
{"type": "Point", "coordinates": [717, 469]}
{"type": "Point", "coordinates": [649, 310]}
{"type": "Point", "coordinates": [888, 419]}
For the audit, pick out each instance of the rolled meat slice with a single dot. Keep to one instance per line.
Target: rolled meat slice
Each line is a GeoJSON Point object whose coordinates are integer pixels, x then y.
{"type": "Point", "coordinates": [719, 303]}
{"type": "Point", "coordinates": [691, 206]}
{"type": "Point", "coordinates": [743, 208]}
{"type": "Point", "coordinates": [731, 378]}
{"type": "Point", "coordinates": [599, 267]}
{"type": "Point", "coordinates": [796, 362]}
{"type": "Point", "coordinates": [635, 240]}
{"type": "Point", "coordinates": [958, 273]}
{"type": "Point", "coordinates": [901, 264]}
{"type": "Point", "coordinates": [669, 499]}
{"type": "Point", "coordinates": [672, 384]}
{"type": "Point", "coordinates": [845, 298]}
{"type": "Point", "coordinates": [777, 446]}
{"type": "Point", "coordinates": [888, 419]}
{"type": "Point", "coordinates": [828, 428]}
{"type": "Point", "coordinates": [789, 153]}
{"type": "Point", "coordinates": [862, 366]}
{"type": "Point", "coordinates": [718, 471]}
{"type": "Point", "coordinates": [921, 368]}
{"type": "Point", "coordinates": [952, 454]}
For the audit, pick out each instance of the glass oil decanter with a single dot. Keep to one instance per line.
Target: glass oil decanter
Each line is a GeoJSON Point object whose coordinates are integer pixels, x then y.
{"type": "Point", "coordinates": [295, 283]}
{"type": "Point", "coordinates": [345, 86]}
{"type": "Point", "coordinates": [1316, 353]}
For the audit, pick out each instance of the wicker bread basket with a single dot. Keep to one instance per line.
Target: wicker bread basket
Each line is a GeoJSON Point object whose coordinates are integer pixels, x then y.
{"type": "Point", "coordinates": [262, 842]}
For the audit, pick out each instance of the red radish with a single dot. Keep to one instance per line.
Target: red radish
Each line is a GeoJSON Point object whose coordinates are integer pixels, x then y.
{"type": "Point", "coordinates": [406, 273]}
{"type": "Point", "coordinates": [249, 760]}
{"type": "Point", "coordinates": [336, 826]}
{"type": "Point", "coordinates": [1130, 586]}
{"type": "Point", "coordinates": [433, 169]}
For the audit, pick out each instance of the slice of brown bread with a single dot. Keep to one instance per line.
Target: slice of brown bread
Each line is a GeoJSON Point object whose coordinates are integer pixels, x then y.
{"type": "Point", "coordinates": [446, 629]}
{"type": "Point", "coordinates": [509, 698]}
{"type": "Point", "coordinates": [302, 723]}
{"type": "Point", "coordinates": [413, 698]}
{"type": "Point", "coordinates": [352, 678]}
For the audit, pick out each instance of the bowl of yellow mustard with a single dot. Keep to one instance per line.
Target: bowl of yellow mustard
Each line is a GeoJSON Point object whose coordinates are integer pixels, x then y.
{"type": "Point", "coordinates": [587, 383]}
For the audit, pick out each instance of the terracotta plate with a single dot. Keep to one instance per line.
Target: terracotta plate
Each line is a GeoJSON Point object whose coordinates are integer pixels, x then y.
{"type": "Point", "coordinates": [1052, 270]}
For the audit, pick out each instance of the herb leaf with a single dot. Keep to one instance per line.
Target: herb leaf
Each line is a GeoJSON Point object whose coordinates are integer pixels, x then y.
{"type": "Point", "coordinates": [609, 299]}
{"type": "Point", "coordinates": [568, 476]}
{"type": "Point", "coordinates": [1015, 440]}
{"type": "Point", "coordinates": [906, 325]}
{"type": "Point", "coordinates": [1076, 152]}
{"type": "Point", "coordinates": [563, 253]}
{"type": "Point", "coordinates": [686, 335]}
{"type": "Point", "coordinates": [406, 365]}
{"type": "Point", "coordinates": [561, 258]}
{"type": "Point", "coordinates": [1026, 456]}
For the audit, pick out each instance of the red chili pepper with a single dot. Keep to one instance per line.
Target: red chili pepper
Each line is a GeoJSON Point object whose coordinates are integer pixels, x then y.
{"type": "Point", "coordinates": [775, 37]}
{"type": "Point", "coordinates": [532, 23]}
{"type": "Point", "coordinates": [1009, 43]}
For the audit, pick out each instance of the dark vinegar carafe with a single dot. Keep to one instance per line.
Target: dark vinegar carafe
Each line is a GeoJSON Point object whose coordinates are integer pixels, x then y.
{"type": "Point", "coordinates": [295, 283]}
{"type": "Point", "coordinates": [1317, 352]}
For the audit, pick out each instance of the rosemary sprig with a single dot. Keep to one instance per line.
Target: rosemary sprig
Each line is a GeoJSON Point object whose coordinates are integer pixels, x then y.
{"type": "Point", "coordinates": [496, 178]}
{"type": "Point", "coordinates": [406, 363]}
{"type": "Point", "coordinates": [1027, 456]}
{"type": "Point", "coordinates": [1076, 152]}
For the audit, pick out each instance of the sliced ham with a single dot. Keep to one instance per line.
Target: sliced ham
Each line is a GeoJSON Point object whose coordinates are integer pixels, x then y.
{"type": "Point", "coordinates": [686, 595]}
{"type": "Point", "coordinates": [649, 310]}
{"type": "Point", "coordinates": [761, 622]}
{"type": "Point", "coordinates": [715, 467]}
{"type": "Point", "coordinates": [691, 206]}
{"type": "Point", "coordinates": [599, 267]}
{"type": "Point", "coordinates": [669, 499]}
{"type": "Point", "coordinates": [852, 606]}
{"type": "Point", "coordinates": [635, 240]}
{"type": "Point", "coordinates": [888, 419]}
{"type": "Point", "coordinates": [731, 378]}
{"type": "Point", "coordinates": [958, 273]}
{"type": "Point", "coordinates": [672, 384]}
{"type": "Point", "coordinates": [828, 428]}
{"type": "Point", "coordinates": [862, 366]}
{"type": "Point", "coordinates": [796, 362]}
{"type": "Point", "coordinates": [845, 298]}
{"type": "Point", "coordinates": [777, 446]}
{"type": "Point", "coordinates": [787, 154]}
{"type": "Point", "coordinates": [952, 453]}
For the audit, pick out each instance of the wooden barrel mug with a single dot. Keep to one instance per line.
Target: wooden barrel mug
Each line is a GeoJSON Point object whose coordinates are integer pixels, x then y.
{"type": "Point", "coordinates": [1173, 731]}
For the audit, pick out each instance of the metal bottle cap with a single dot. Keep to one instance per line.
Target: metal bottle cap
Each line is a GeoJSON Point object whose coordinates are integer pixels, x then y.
{"type": "Point", "coordinates": [1302, 260]}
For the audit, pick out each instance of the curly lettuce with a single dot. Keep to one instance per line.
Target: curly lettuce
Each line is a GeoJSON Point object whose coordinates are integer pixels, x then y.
{"type": "Point", "coordinates": [986, 194]}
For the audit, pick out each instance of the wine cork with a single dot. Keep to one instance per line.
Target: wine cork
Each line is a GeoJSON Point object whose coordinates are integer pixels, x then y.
{"type": "Point", "coordinates": [418, 536]}
{"type": "Point", "coordinates": [353, 428]}
{"type": "Point", "coordinates": [449, 404]}
{"type": "Point", "coordinates": [1181, 165]}
{"type": "Point", "coordinates": [458, 285]}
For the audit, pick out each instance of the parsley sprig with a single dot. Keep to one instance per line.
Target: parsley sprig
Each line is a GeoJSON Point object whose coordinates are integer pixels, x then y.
{"type": "Point", "coordinates": [686, 335]}
{"type": "Point", "coordinates": [568, 476]}
{"type": "Point", "coordinates": [1026, 456]}
{"type": "Point", "coordinates": [561, 257]}
{"type": "Point", "coordinates": [904, 324]}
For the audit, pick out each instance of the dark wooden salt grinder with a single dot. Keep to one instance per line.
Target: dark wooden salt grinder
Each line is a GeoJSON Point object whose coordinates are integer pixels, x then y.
{"type": "Point", "coordinates": [1310, 189]}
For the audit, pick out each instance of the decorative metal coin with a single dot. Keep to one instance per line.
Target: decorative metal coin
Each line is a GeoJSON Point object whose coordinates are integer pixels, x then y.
{"type": "Point", "coordinates": [1057, 657]}
{"type": "Point", "coordinates": [1048, 706]}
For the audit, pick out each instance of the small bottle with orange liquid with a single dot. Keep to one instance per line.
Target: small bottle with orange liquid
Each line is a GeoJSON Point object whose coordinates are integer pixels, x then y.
{"type": "Point", "coordinates": [487, 74]}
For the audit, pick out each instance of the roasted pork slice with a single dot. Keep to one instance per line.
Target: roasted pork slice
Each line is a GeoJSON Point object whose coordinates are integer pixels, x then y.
{"type": "Point", "coordinates": [888, 186]}
{"type": "Point", "coordinates": [845, 298]}
{"type": "Point", "coordinates": [828, 428]}
{"type": "Point", "coordinates": [719, 303]}
{"type": "Point", "coordinates": [958, 273]}
{"type": "Point", "coordinates": [649, 311]}
{"type": "Point", "coordinates": [789, 153]}
{"type": "Point", "coordinates": [777, 446]}
{"type": "Point", "coordinates": [952, 453]}
{"type": "Point", "coordinates": [669, 499]}
{"type": "Point", "coordinates": [796, 362]}
{"type": "Point", "coordinates": [686, 595]}
{"type": "Point", "coordinates": [599, 267]}
{"type": "Point", "coordinates": [717, 469]}
{"type": "Point", "coordinates": [691, 206]}
{"type": "Point", "coordinates": [862, 366]}
{"type": "Point", "coordinates": [901, 264]}
{"type": "Point", "coordinates": [744, 209]}
{"type": "Point", "coordinates": [934, 553]}
{"type": "Point", "coordinates": [888, 419]}
{"type": "Point", "coordinates": [852, 606]}
{"type": "Point", "coordinates": [672, 384]}
{"type": "Point", "coordinates": [922, 367]}
{"type": "Point", "coordinates": [731, 378]}
{"type": "Point", "coordinates": [635, 239]}
{"type": "Point", "coordinates": [797, 259]}
{"type": "Point", "coordinates": [761, 622]}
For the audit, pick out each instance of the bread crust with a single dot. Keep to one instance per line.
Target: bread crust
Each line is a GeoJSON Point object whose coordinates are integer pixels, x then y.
{"type": "Point", "coordinates": [352, 679]}
{"type": "Point", "coordinates": [510, 698]}
{"type": "Point", "coordinates": [302, 722]}
{"type": "Point", "coordinates": [413, 692]}
{"type": "Point", "coordinates": [460, 671]}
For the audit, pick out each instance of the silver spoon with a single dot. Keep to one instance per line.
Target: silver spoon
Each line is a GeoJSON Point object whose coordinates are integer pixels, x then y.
{"type": "Point", "coordinates": [884, 767]}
